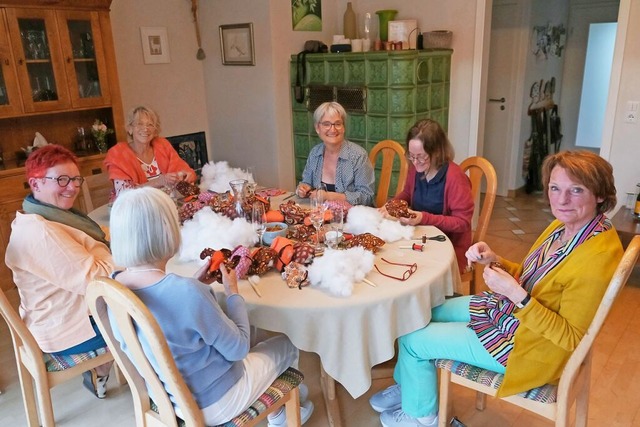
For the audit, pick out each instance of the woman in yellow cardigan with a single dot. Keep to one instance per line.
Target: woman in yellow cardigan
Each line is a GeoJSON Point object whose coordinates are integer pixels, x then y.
{"type": "Point", "coordinates": [536, 313]}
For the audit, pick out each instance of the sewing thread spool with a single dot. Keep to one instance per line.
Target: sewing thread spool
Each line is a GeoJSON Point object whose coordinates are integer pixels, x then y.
{"type": "Point", "coordinates": [416, 247]}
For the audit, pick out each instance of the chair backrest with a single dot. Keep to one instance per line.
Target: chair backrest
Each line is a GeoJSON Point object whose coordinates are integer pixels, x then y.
{"type": "Point", "coordinates": [96, 190]}
{"type": "Point", "coordinates": [131, 315]}
{"type": "Point", "coordinates": [389, 150]}
{"type": "Point", "coordinates": [20, 334]}
{"type": "Point", "coordinates": [619, 279]}
{"type": "Point", "coordinates": [477, 168]}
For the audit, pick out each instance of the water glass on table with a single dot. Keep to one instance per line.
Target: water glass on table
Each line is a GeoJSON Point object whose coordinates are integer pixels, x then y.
{"type": "Point", "coordinates": [333, 236]}
{"type": "Point", "coordinates": [258, 220]}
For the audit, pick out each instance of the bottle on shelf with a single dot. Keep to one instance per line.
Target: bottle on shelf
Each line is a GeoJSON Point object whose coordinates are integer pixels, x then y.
{"type": "Point", "coordinates": [350, 23]}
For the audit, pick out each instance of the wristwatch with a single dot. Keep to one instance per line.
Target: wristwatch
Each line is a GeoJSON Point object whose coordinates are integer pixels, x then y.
{"type": "Point", "coordinates": [524, 302]}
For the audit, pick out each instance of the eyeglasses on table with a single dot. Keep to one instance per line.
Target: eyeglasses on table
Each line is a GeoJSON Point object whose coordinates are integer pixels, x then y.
{"type": "Point", "coordinates": [405, 276]}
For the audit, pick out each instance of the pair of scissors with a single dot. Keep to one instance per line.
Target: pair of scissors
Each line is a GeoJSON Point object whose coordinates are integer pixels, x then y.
{"type": "Point", "coordinates": [438, 238]}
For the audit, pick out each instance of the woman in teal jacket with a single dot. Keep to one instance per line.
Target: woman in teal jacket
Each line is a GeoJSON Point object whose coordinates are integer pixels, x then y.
{"type": "Point", "coordinates": [536, 313]}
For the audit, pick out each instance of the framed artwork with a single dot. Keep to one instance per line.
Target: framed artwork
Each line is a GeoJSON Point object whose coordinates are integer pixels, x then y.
{"type": "Point", "coordinates": [155, 45]}
{"type": "Point", "coordinates": [192, 148]}
{"type": "Point", "coordinates": [236, 44]}
{"type": "Point", "coordinates": [306, 15]}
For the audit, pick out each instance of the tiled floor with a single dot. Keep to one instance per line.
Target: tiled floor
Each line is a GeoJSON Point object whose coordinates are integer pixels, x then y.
{"type": "Point", "coordinates": [515, 224]}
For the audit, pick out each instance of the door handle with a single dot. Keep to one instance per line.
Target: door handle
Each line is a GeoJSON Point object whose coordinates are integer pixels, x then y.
{"type": "Point", "coordinates": [501, 100]}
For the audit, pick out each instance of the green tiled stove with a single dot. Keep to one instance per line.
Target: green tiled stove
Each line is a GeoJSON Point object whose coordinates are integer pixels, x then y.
{"type": "Point", "coordinates": [384, 94]}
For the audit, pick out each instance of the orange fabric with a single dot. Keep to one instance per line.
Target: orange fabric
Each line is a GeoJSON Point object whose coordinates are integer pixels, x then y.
{"type": "Point", "coordinates": [123, 164]}
{"type": "Point", "coordinates": [284, 249]}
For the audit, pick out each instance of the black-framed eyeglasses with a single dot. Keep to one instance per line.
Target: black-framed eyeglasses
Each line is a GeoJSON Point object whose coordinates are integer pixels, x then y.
{"type": "Point", "coordinates": [412, 269]}
{"type": "Point", "coordinates": [64, 180]}
{"type": "Point", "coordinates": [327, 125]}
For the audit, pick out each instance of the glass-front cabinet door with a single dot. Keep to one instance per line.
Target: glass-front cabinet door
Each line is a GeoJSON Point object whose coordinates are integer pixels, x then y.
{"type": "Point", "coordinates": [81, 42]}
{"type": "Point", "coordinates": [36, 49]}
{"type": "Point", "coordinates": [10, 102]}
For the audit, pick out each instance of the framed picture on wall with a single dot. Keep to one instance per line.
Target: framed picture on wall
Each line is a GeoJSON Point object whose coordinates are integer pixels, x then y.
{"type": "Point", "coordinates": [155, 45]}
{"type": "Point", "coordinates": [192, 148]}
{"type": "Point", "coordinates": [236, 44]}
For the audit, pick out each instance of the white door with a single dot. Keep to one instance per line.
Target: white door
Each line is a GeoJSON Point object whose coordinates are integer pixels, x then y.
{"type": "Point", "coordinates": [498, 147]}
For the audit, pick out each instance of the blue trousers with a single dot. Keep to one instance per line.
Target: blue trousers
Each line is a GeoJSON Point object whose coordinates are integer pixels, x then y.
{"type": "Point", "coordinates": [446, 337]}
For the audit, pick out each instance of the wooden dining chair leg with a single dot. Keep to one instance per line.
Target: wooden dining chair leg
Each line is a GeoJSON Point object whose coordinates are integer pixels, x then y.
{"type": "Point", "coordinates": [445, 404]}
{"type": "Point", "coordinates": [292, 408]}
{"type": "Point", "coordinates": [481, 401]}
{"type": "Point", "coordinates": [582, 405]}
{"type": "Point", "coordinates": [28, 396]}
{"type": "Point", "coordinates": [45, 405]}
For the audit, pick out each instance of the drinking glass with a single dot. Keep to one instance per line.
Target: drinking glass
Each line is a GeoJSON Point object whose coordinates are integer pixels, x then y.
{"type": "Point", "coordinates": [333, 236]}
{"type": "Point", "coordinates": [258, 220]}
{"type": "Point", "coordinates": [317, 219]}
{"type": "Point", "coordinates": [317, 198]}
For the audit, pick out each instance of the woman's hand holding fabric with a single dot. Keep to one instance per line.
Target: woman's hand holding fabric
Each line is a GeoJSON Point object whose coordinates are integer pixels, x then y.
{"type": "Point", "coordinates": [481, 253]}
{"type": "Point", "coordinates": [501, 282]}
{"type": "Point", "coordinates": [303, 190]}
{"type": "Point", "coordinates": [416, 220]}
{"type": "Point", "coordinates": [229, 280]}
{"type": "Point", "coordinates": [202, 275]}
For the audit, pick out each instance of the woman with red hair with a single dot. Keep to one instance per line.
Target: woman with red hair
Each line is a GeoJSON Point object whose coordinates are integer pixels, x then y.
{"type": "Point", "coordinates": [54, 251]}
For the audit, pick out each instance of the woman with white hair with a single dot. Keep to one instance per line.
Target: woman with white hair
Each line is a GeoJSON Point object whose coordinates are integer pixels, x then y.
{"type": "Point", "coordinates": [337, 165]}
{"type": "Point", "coordinates": [211, 348]}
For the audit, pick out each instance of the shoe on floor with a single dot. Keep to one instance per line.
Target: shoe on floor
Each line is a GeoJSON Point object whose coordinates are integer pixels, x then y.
{"type": "Point", "coordinates": [95, 384]}
{"type": "Point", "coordinates": [388, 399]}
{"type": "Point", "coordinates": [398, 418]}
{"type": "Point", "coordinates": [279, 419]}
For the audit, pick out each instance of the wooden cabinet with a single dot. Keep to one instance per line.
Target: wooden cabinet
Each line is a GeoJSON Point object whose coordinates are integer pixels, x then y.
{"type": "Point", "coordinates": [59, 59]}
{"type": "Point", "coordinates": [57, 73]}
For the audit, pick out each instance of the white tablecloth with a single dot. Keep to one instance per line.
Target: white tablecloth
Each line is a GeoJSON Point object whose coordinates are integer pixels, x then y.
{"type": "Point", "coordinates": [353, 334]}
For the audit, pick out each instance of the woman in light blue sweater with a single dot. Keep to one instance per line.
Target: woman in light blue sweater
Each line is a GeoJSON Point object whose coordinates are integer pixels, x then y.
{"type": "Point", "coordinates": [212, 349]}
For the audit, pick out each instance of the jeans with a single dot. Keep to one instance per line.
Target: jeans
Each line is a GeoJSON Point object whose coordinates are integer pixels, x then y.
{"type": "Point", "coordinates": [446, 337]}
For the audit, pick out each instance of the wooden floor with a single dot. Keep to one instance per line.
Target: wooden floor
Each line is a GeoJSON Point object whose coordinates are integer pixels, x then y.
{"type": "Point", "coordinates": [615, 389]}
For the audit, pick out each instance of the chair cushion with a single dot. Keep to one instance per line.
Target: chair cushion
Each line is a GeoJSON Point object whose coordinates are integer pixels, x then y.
{"type": "Point", "coordinates": [543, 394]}
{"type": "Point", "coordinates": [282, 385]}
{"type": "Point", "coordinates": [60, 363]}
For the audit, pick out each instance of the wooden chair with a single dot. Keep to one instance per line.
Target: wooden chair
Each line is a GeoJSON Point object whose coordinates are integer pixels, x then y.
{"type": "Point", "coordinates": [95, 191]}
{"type": "Point", "coordinates": [550, 401]}
{"type": "Point", "coordinates": [477, 169]}
{"type": "Point", "coordinates": [37, 367]}
{"type": "Point", "coordinates": [127, 310]}
{"type": "Point", "coordinates": [389, 150]}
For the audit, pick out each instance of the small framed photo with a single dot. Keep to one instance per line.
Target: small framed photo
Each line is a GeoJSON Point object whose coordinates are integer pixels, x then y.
{"type": "Point", "coordinates": [236, 44]}
{"type": "Point", "coordinates": [155, 45]}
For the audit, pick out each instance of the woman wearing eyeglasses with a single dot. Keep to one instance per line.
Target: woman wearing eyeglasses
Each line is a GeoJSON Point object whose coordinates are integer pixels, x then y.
{"type": "Point", "coordinates": [53, 252]}
{"type": "Point", "coordinates": [146, 158]}
{"type": "Point", "coordinates": [437, 190]}
{"type": "Point", "coordinates": [337, 165]}
{"type": "Point", "coordinates": [536, 312]}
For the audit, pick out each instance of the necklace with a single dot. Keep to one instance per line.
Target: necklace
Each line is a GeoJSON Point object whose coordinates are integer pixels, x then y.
{"type": "Point", "coordinates": [144, 270]}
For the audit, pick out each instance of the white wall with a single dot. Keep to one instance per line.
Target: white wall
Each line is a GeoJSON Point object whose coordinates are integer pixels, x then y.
{"type": "Point", "coordinates": [174, 90]}
{"type": "Point", "coordinates": [625, 143]}
{"type": "Point", "coordinates": [250, 107]}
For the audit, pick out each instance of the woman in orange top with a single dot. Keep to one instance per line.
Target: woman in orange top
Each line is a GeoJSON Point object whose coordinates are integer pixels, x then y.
{"type": "Point", "coordinates": [146, 158]}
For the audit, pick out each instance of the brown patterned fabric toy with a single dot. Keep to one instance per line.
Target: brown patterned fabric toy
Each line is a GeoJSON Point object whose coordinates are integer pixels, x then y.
{"type": "Point", "coordinates": [223, 256]}
{"type": "Point", "coordinates": [187, 190]}
{"type": "Point", "coordinates": [301, 232]}
{"type": "Point", "coordinates": [189, 209]}
{"type": "Point", "coordinates": [303, 253]}
{"type": "Point", "coordinates": [263, 260]}
{"type": "Point", "coordinates": [295, 275]}
{"type": "Point", "coordinates": [293, 212]}
{"type": "Point", "coordinates": [398, 209]}
{"type": "Point", "coordinates": [366, 240]}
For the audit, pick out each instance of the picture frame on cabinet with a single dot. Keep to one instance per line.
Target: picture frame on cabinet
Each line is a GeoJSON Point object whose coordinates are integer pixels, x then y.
{"type": "Point", "coordinates": [155, 45]}
{"type": "Point", "coordinates": [236, 44]}
{"type": "Point", "coordinates": [192, 148]}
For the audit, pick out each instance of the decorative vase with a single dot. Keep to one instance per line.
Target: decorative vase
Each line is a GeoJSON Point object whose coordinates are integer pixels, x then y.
{"type": "Point", "coordinates": [350, 23]}
{"type": "Point", "coordinates": [385, 16]}
{"type": "Point", "coordinates": [101, 144]}
{"type": "Point", "coordinates": [238, 189]}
